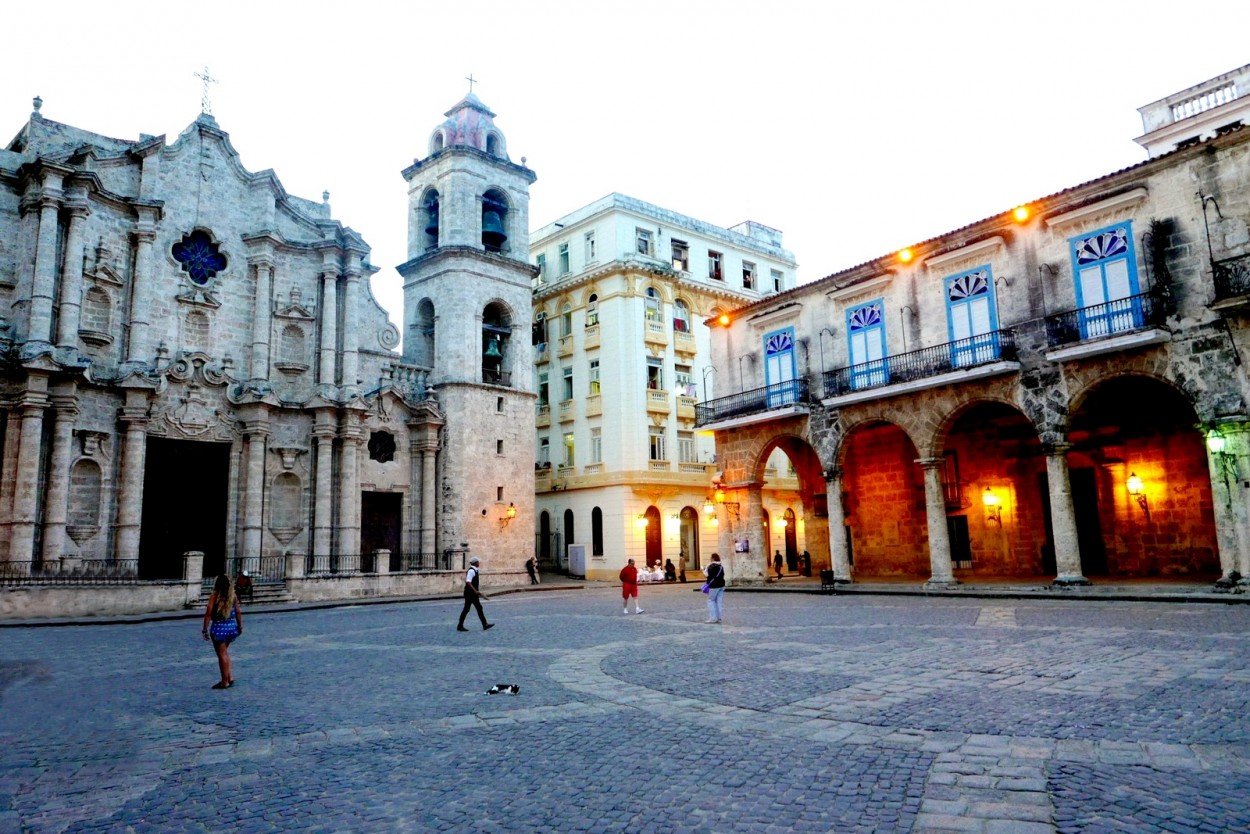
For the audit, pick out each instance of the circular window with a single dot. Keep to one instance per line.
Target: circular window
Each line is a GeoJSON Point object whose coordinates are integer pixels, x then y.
{"type": "Point", "coordinates": [201, 259]}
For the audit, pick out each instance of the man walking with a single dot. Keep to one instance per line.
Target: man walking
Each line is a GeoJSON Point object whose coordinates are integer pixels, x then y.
{"type": "Point", "coordinates": [629, 586]}
{"type": "Point", "coordinates": [473, 597]}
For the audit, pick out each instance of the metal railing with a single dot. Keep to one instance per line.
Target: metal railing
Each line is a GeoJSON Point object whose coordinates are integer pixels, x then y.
{"type": "Point", "coordinates": [71, 571]}
{"type": "Point", "coordinates": [1232, 277]}
{"type": "Point", "coordinates": [1123, 315]}
{"type": "Point", "coordinates": [336, 564]}
{"type": "Point", "coordinates": [353, 564]}
{"type": "Point", "coordinates": [755, 401]}
{"type": "Point", "coordinates": [989, 347]}
{"type": "Point", "coordinates": [262, 569]}
{"type": "Point", "coordinates": [492, 376]}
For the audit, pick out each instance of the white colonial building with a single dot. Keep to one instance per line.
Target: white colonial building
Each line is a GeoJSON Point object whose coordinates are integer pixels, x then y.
{"type": "Point", "coordinates": [621, 358]}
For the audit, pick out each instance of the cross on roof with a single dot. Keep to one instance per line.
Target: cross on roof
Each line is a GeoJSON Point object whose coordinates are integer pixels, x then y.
{"type": "Point", "coordinates": [205, 105]}
{"type": "Point", "coordinates": [470, 79]}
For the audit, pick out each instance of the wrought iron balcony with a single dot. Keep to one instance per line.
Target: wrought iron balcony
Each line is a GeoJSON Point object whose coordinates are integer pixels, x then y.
{"type": "Point", "coordinates": [756, 401]}
{"type": "Point", "coordinates": [995, 346]}
{"type": "Point", "coordinates": [1232, 277]}
{"type": "Point", "coordinates": [1124, 315]}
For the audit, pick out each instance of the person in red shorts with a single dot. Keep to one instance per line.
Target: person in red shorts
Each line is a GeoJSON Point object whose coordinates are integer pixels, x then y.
{"type": "Point", "coordinates": [629, 586]}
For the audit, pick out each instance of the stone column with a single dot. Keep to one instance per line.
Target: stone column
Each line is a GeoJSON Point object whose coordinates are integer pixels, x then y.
{"type": "Point", "coordinates": [1063, 517]}
{"type": "Point", "coordinates": [130, 490]}
{"type": "Point", "coordinates": [323, 489]}
{"type": "Point", "coordinates": [254, 495]}
{"type": "Point", "coordinates": [141, 292]}
{"type": "Point", "coordinates": [261, 309]}
{"type": "Point", "coordinates": [837, 528]}
{"type": "Point", "coordinates": [25, 490]}
{"type": "Point", "coordinates": [70, 311]}
{"type": "Point", "coordinates": [45, 261]}
{"type": "Point", "coordinates": [349, 493]}
{"type": "Point", "coordinates": [351, 300]}
{"type": "Point", "coordinates": [329, 326]}
{"type": "Point", "coordinates": [8, 475]}
{"type": "Point", "coordinates": [57, 508]}
{"type": "Point", "coordinates": [942, 574]}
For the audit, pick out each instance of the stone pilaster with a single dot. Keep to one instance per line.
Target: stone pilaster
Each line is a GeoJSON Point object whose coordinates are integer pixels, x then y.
{"type": "Point", "coordinates": [70, 310]}
{"type": "Point", "coordinates": [329, 326]}
{"type": "Point", "coordinates": [134, 420]}
{"type": "Point", "coordinates": [941, 571]}
{"type": "Point", "coordinates": [349, 490]}
{"type": "Point", "coordinates": [56, 510]}
{"type": "Point", "coordinates": [25, 490]}
{"type": "Point", "coordinates": [256, 433]}
{"type": "Point", "coordinates": [141, 293]}
{"type": "Point", "coordinates": [351, 300]}
{"type": "Point", "coordinates": [1063, 518]}
{"type": "Point", "coordinates": [429, 543]}
{"type": "Point", "coordinates": [45, 261]}
{"type": "Point", "coordinates": [261, 311]}
{"type": "Point", "coordinates": [323, 489]}
{"type": "Point", "coordinates": [1230, 500]}
{"type": "Point", "coordinates": [837, 528]}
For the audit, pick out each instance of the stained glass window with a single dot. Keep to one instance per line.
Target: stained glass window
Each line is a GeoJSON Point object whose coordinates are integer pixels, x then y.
{"type": "Point", "coordinates": [201, 259]}
{"type": "Point", "coordinates": [867, 316]}
{"type": "Point", "coordinates": [779, 342]}
{"type": "Point", "coordinates": [968, 285]}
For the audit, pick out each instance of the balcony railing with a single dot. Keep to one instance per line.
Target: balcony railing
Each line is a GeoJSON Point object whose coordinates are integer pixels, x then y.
{"type": "Point", "coordinates": [997, 345]}
{"type": "Point", "coordinates": [492, 376]}
{"type": "Point", "coordinates": [1124, 315]}
{"type": "Point", "coordinates": [1232, 277]}
{"type": "Point", "coordinates": [755, 401]}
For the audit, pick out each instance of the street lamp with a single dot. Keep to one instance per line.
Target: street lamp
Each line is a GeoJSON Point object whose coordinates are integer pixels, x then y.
{"type": "Point", "coordinates": [711, 368]}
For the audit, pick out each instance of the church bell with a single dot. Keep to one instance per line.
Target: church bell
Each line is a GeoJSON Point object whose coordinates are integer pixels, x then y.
{"type": "Point", "coordinates": [493, 236]}
{"type": "Point", "coordinates": [492, 350]}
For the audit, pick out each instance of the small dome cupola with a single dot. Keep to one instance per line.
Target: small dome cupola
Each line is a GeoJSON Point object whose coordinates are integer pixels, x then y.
{"type": "Point", "coordinates": [470, 124]}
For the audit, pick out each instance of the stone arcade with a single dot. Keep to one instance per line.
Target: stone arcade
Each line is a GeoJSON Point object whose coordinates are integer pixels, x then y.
{"type": "Point", "coordinates": [194, 362]}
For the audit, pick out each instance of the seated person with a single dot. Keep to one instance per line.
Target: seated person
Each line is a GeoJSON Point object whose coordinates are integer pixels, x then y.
{"type": "Point", "coordinates": [243, 585]}
{"type": "Point", "coordinates": [670, 572]}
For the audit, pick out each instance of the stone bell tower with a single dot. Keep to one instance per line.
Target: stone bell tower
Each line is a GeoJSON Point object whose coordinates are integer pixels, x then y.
{"type": "Point", "coordinates": [467, 317]}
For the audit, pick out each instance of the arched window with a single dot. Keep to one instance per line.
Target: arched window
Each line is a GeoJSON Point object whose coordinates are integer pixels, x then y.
{"type": "Point", "coordinates": [566, 320]}
{"type": "Point", "coordinates": [423, 334]}
{"type": "Point", "coordinates": [430, 218]}
{"type": "Point", "coordinates": [596, 532]}
{"type": "Point", "coordinates": [570, 537]}
{"type": "Point", "coordinates": [492, 144]}
{"type": "Point", "coordinates": [494, 220]}
{"type": "Point", "coordinates": [681, 317]}
{"type": "Point", "coordinates": [592, 310]}
{"type": "Point", "coordinates": [436, 141]}
{"type": "Point", "coordinates": [496, 332]}
{"type": "Point", "coordinates": [653, 304]}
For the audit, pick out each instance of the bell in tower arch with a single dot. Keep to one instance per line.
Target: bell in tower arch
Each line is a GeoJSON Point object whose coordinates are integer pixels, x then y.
{"type": "Point", "coordinates": [493, 212]}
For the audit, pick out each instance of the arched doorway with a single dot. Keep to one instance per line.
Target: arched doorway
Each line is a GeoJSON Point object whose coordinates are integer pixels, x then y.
{"type": "Point", "coordinates": [883, 491]}
{"type": "Point", "coordinates": [570, 536]}
{"type": "Point", "coordinates": [689, 537]}
{"type": "Point", "coordinates": [655, 537]}
{"type": "Point", "coordinates": [1141, 488]}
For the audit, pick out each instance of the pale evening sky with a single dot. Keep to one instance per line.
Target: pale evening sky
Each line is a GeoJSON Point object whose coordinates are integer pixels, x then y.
{"type": "Point", "coordinates": [855, 131]}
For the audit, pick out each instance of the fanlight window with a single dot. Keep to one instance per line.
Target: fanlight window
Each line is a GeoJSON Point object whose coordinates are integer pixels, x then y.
{"type": "Point", "coordinates": [969, 285]}
{"type": "Point", "coordinates": [1101, 246]}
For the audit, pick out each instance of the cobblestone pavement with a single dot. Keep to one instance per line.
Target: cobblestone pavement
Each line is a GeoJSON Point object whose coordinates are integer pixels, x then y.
{"type": "Point", "coordinates": [800, 713]}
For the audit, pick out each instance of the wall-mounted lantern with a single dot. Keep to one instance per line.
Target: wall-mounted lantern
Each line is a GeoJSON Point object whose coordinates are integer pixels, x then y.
{"type": "Point", "coordinates": [993, 507]}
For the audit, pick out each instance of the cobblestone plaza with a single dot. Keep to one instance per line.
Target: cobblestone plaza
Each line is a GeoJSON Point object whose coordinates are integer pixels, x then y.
{"type": "Point", "coordinates": [800, 713]}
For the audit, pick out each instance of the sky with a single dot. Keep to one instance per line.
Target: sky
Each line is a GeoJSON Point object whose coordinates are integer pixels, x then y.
{"type": "Point", "coordinates": [854, 128]}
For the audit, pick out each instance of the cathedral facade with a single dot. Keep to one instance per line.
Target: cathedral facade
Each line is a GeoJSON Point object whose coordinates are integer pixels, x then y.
{"type": "Point", "coordinates": [194, 363]}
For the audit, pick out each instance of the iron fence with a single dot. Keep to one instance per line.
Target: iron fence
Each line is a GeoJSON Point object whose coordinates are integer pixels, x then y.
{"type": "Point", "coordinates": [755, 401]}
{"type": "Point", "coordinates": [977, 350]}
{"type": "Point", "coordinates": [262, 569]}
{"type": "Point", "coordinates": [71, 571]}
{"type": "Point", "coordinates": [1123, 315]}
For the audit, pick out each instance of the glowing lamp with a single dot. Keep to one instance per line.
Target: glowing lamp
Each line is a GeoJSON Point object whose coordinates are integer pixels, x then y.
{"type": "Point", "coordinates": [1215, 441]}
{"type": "Point", "coordinates": [1021, 213]}
{"type": "Point", "coordinates": [1136, 490]}
{"type": "Point", "coordinates": [720, 496]}
{"type": "Point", "coordinates": [993, 506]}
{"type": "Point", "coordinates": [641, 522]}
{"type": "Point", "coordinates": [724, 319]}
{"type": "Point", "coordinates": [905, 255]}
{"type": "Point", "coordinates": [708, 507]}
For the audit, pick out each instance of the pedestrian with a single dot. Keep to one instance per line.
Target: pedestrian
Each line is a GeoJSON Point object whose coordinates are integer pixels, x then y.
{"type": "Point", "coordinates": [473, 597]}
{"type": "Point", "coordinates": [629, 586]}
{"type": "Point", "coordinates": [529, 568]}
{"type": "Point", "coordinates": [777, 563]}
{"type": "Point", "coordinates": [223, 622]}
{"type": "Point", "coordinates": [807, 564]}
{"type": "Point", "coordinates": [715, 573]}
{"type": "Point", "coordinates": [670, 572]}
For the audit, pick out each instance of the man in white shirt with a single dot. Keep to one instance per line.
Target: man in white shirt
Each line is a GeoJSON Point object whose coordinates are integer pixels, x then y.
{"type": "Point", "coordinates": [473, 597]}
